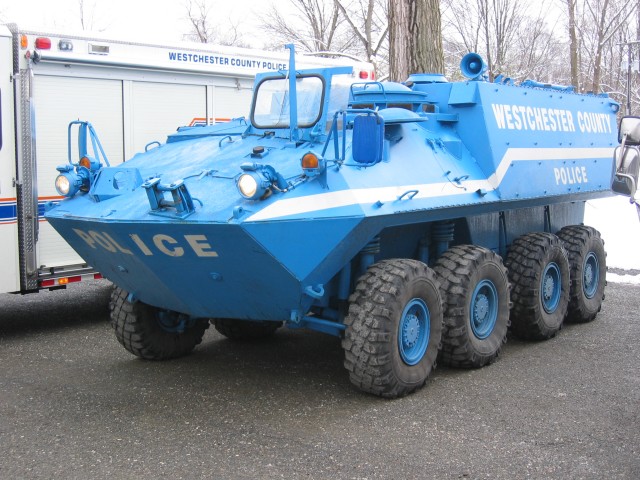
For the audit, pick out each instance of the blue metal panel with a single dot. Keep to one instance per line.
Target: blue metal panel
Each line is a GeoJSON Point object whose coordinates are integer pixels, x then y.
{"type": "Point", "coordinates": [200, 270]}
{"type": "Point", "coordinates": [301, 246]}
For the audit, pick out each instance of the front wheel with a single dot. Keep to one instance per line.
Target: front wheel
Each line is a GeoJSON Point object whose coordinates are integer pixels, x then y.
{"type": "Point", "coordinates": [153, 333]}
{"type": "Point", "coordinates": [394, 328]}
{"type": "Point", "coordinates": [476, 288]}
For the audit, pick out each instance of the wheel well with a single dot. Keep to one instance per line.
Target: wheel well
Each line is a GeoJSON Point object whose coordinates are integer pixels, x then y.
{"type": "Point", "coordinates": [420, 241]}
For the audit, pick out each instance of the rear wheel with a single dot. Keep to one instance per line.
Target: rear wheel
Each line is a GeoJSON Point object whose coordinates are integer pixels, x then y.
{"type": "Point", "coordinates": [245, 330]}
{"type": "Point", "coordinates": [475, 289]}
{"type": "Point", "coordinates": [394, 328]}
{"type": "Point", "coordinates": [153, 333]}
{"type": "Point", "coordinates": [588, 264]}
{"type": "Point", "coordinates": [539, 273]}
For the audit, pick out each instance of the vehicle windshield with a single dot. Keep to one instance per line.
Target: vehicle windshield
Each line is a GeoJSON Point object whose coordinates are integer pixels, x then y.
{"type": "Point", "coordinates": [271, 104]}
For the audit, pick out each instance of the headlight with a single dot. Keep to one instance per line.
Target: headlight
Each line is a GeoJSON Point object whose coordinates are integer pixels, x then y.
{"type": "Point", "coordinates": [63, 185]}
{"type": "Point", "coordinates": [68, 183]}
{"type": "Point", "coordinates": [252, 185]}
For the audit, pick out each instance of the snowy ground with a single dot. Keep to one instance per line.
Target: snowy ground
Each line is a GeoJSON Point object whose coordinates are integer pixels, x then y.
{"type": "Point", "coordinates": [618, 222]}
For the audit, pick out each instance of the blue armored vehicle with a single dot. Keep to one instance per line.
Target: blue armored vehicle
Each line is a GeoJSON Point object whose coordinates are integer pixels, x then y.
{"type": "Point", "coordinates": [414, 221]}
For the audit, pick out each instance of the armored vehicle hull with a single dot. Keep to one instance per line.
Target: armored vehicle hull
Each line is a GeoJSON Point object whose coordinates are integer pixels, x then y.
{"type": "Point", "coordinates": [398, 217]}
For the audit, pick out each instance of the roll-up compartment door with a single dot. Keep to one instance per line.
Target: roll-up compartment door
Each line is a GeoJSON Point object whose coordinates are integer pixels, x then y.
{"type": "Point", "coordinates": [158, 109]}
{"type": "Point", "coordinates": [231, 102]}
{"type": "Point", "coordinates": [58, 101]}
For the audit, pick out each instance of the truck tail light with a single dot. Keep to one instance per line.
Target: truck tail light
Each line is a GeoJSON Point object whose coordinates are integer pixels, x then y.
{"type": "Point", "coordinates": [43, 43]}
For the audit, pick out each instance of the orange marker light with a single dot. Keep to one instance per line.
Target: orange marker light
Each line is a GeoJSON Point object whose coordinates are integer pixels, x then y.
{"type": "Point", "coordinates": [24, 42]}
{"type": "Point", "coordinates": [310, 160]}
{"type": "Point", "coordinates": [85, 162]}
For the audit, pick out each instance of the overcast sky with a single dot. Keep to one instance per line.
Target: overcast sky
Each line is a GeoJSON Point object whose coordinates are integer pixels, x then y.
{"type": "Point", "coordinates": [155, 19]}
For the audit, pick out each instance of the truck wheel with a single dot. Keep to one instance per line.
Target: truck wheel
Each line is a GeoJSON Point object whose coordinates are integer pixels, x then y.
{"type": "Point", "coordinates": [539, 274]}
{"type": "Point", "coordinates": [153, 333]}
{"type": "Point", "coordinates": [245, 330]}
{"type": "Point", "coordinates": [588, 264]}
{"type": "Point", "coordinates": [394, 328]}
{"type": "Point", "coordinates": [475, 289]}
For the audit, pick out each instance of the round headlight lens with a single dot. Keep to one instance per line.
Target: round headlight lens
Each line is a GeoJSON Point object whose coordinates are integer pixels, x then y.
{"type": "Point", "coordinates": [248, 186]}
{"type": "Point", "coordinates": [63, 185]}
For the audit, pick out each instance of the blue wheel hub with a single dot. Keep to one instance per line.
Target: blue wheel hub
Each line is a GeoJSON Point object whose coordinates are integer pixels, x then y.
{"type": "Point", "coordinates": [413, 331]}
{"type": "Point", "coordinates": [551, 287]}
{"type": "Point", "coordinates": [590, 275]}
{"type": "Point", "coordinates": [484, 309]}
{"type": "Point", "coordinates": [173, 322]}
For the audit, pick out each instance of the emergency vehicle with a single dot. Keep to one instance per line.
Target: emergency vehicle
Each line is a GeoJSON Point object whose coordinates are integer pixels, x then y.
{"type": "Point", "coordinates": [133, 92]}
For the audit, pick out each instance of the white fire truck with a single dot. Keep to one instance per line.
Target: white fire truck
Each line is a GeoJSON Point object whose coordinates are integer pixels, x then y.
{"type": "Point", "coordinates": [134, 93]}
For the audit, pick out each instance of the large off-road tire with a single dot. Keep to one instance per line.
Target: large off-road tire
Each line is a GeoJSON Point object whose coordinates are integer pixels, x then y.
{"type": "Point", "coordinates": [539, 274]}
{"type": "Point", "coordinates": [245, 330]}
{"type": "Point", "coordinates": [475, 288]}
{"type": "Point", "coordinates": [152, 333]}
{"type": "Point", "coordinates": [394, 328]}
{"type": "Point", "coordinates": [588, 265]}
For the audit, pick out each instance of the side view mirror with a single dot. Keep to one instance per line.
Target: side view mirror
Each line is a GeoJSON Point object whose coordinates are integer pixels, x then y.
{"type": "Point", "coordinates": [625, 180]}
{"type": "Point", "coordinates": [627, 160]}
{"type": "Point", "coordinates": [629, 131]}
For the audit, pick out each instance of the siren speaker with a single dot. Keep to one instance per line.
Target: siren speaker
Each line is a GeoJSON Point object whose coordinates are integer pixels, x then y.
{"type": "Point", "coordinates": [472, 66]}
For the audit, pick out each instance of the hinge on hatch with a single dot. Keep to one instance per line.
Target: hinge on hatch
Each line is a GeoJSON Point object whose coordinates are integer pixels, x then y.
{"type": "Point", "coordinates": [181, 202]}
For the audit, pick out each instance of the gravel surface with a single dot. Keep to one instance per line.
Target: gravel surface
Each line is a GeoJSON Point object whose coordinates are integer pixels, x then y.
{"type": "Point", "coordinates": [75, 404]}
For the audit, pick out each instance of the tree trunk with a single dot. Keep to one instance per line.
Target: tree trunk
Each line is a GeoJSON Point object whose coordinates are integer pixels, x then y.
{"type": "Point", "coordinates": [597, 62]}
{"type": "Point", "coordinates": [415, 38]}
{"type": "Point", "coordinates": [573, 44]}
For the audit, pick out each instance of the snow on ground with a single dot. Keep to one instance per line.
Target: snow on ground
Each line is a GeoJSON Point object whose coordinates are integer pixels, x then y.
{"type": "Point", "coordinates": [628, 279]}
{"type": "Point", "coordinates": [618, 222]}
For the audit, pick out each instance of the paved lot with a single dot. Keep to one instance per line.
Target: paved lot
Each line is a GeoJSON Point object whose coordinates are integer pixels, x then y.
{"type": "Point", "coordinates": [74, 404]}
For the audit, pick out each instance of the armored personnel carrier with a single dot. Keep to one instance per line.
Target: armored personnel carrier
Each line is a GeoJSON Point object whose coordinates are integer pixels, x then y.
{"type": "Point", "coordinates": [416, 221]}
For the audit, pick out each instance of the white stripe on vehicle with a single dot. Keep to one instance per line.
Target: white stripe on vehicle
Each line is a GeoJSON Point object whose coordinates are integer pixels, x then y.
{"type": "Point", "coordinates": [368, 196]}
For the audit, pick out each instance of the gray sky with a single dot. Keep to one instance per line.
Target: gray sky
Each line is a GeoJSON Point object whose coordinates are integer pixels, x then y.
{"type": "Point", "coordinates": [153, 19]}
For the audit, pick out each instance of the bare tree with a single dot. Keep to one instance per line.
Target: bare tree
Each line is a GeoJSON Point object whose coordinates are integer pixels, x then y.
{"type": "Point", "coordinates": [368, 20]}
{"type": "Point", "coordinates": [604, 19]}
{"type": "Point", "coordinates": [514, 38]}
{"type": "Point", "coordinates": [204, 30]}
{"type": "Point", "coordinates": [314, 28]}
{"type": "Point", "coordinates": [356, 27]}
{"type": "Point", "coordinates": [573, 42]}
{"type": "Point", "coordinates": [87, 12]}
{"type": "Point", "coordinates": [415, 38]}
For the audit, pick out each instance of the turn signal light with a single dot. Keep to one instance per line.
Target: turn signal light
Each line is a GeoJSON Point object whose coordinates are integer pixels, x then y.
{"type": "Point", "coordinates": [85, 162]}
{"type": "Point", "coordinates": [310, 160]}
